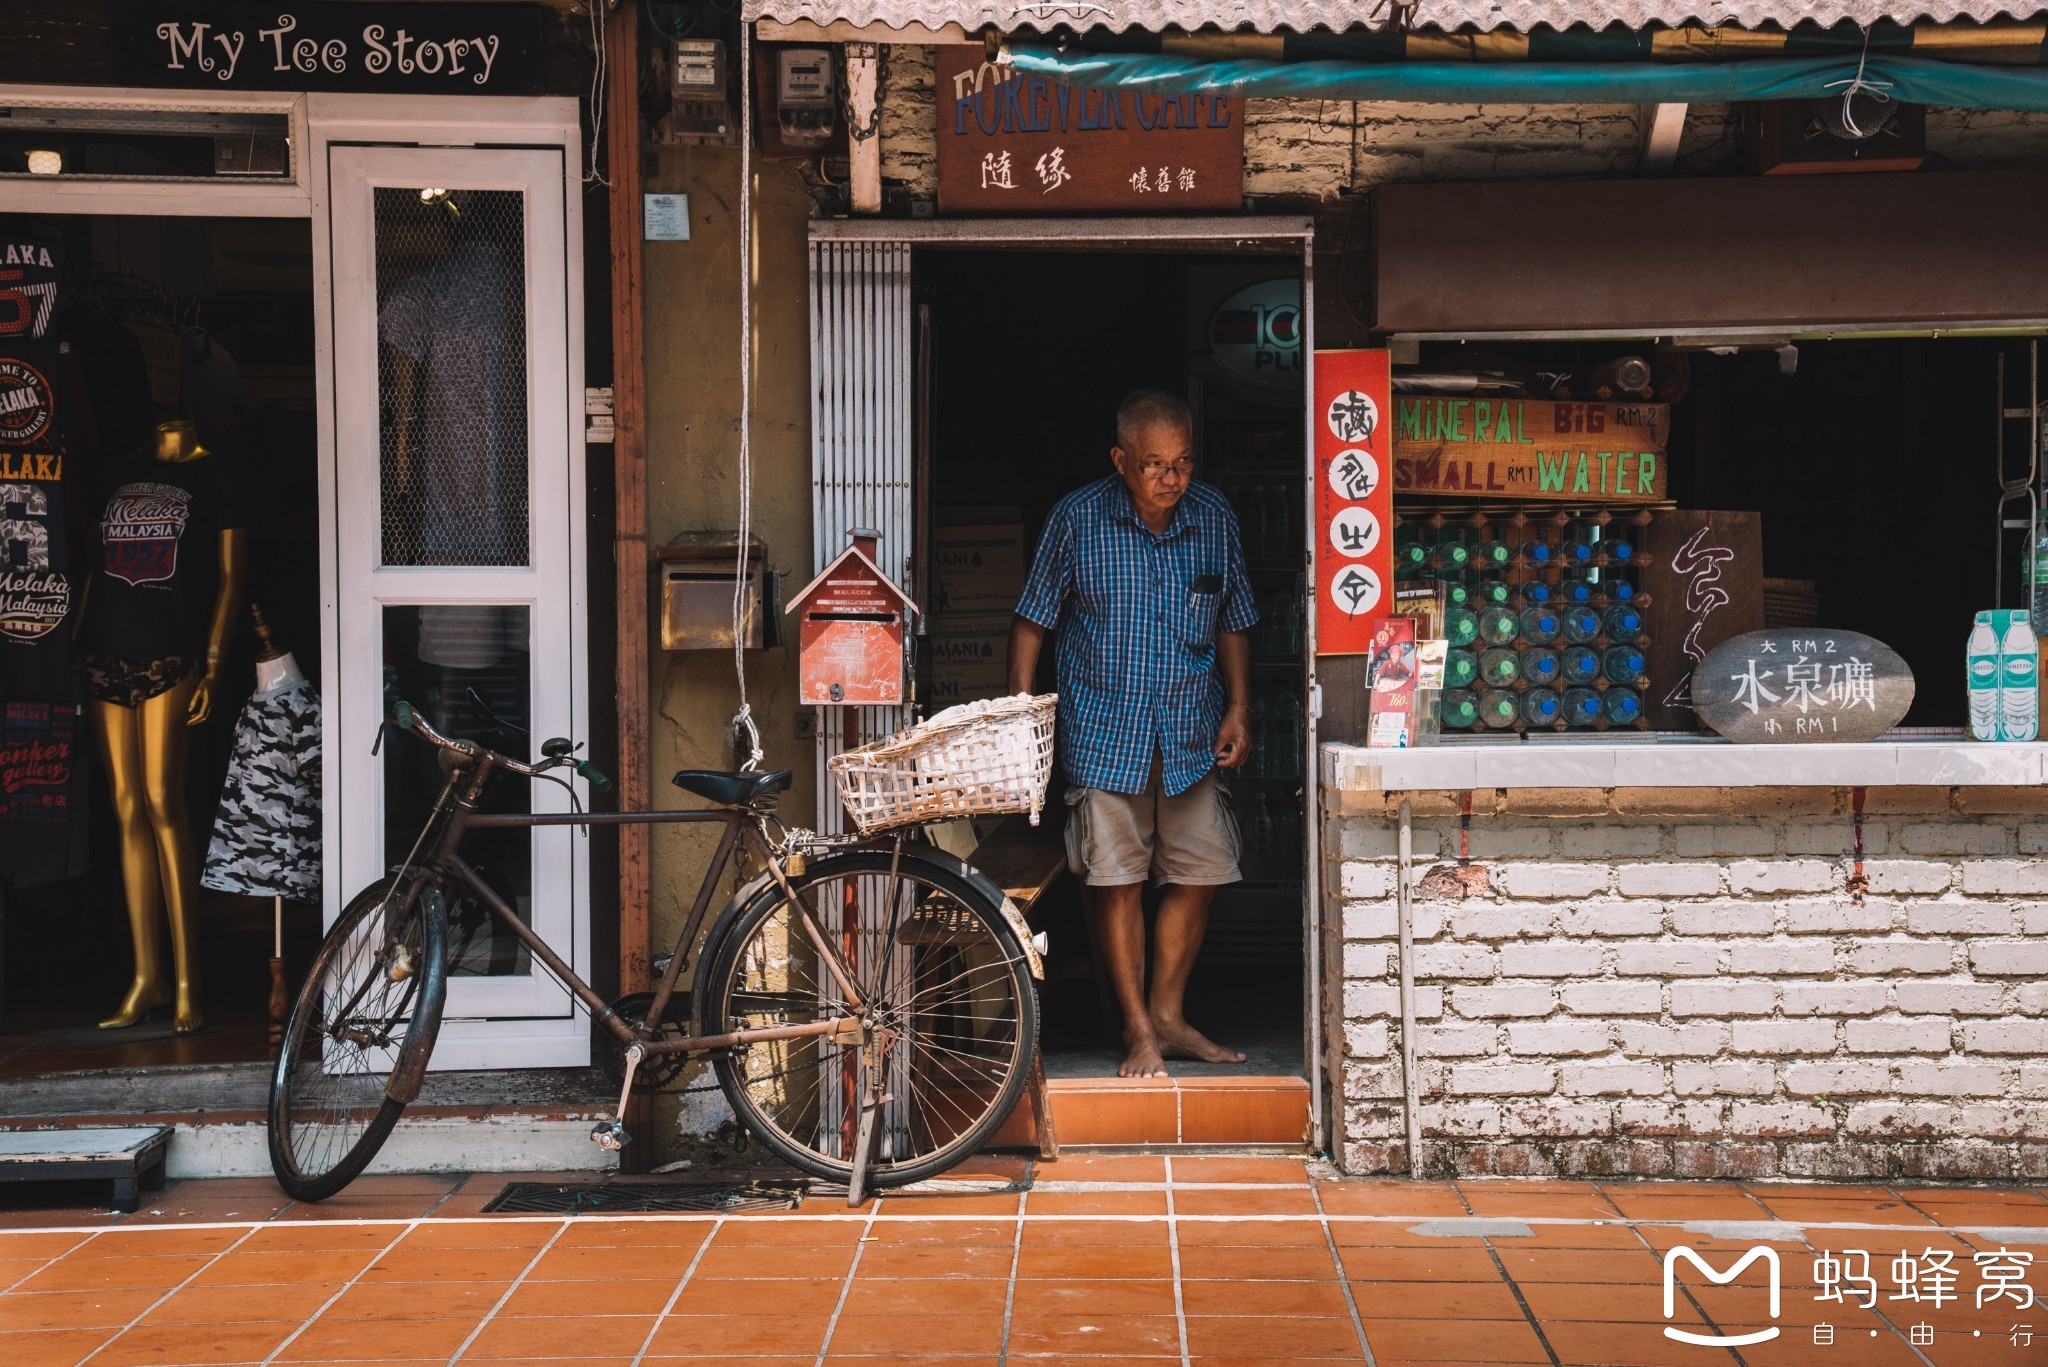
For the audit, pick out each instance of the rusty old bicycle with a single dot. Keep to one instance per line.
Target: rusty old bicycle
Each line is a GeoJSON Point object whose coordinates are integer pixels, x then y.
{"type": "Point", "coordinates": [868, 1005]}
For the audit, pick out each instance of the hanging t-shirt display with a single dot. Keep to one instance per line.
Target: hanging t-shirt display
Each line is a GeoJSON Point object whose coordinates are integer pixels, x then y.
{"type": "Point", "coordinates": [37, 578]}
{"type": "Point", "coordinates": [152, 598]}
{"type": "Point", "coordinates": [266, 840]}
{"type": "Point", "coordinates": [42, 784]}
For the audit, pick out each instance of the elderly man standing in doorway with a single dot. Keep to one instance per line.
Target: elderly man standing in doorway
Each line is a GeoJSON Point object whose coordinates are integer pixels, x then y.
{"type": "Point", "coordinates": [1143, 576]}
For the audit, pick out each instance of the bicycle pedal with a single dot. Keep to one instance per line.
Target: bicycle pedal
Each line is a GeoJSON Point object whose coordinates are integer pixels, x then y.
{"type": "Point", "coordinates": [610, 1135]}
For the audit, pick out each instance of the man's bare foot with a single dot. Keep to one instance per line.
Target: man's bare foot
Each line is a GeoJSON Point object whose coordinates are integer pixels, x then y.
{"type": "Point", "coordinates": [1182, 1040]}
{"type": "Point", "coordinates": [1142, 1060]}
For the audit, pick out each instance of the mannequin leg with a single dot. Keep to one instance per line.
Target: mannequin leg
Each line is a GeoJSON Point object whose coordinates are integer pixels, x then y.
{"type": "Point", "coordinates": [165, 742]}
{"type": "Point", "coordinates": [119, 733]}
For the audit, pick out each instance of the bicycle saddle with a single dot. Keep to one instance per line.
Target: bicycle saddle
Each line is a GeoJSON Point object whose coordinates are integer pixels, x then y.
{"type": "Point", "coordinates": [732, 788]}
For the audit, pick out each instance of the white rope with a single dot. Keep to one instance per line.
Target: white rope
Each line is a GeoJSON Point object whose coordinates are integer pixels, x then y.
{"type": "Point", "coordinates": [744, 719]}
{"type": "Point", "coordinates": [1877, 90]}
{"type": "Point", "coordinates": [600, 65]}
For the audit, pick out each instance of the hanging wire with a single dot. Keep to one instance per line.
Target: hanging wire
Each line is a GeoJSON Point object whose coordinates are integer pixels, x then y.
{"type": "Point", "coordinates": [600, 68]}
{"type": "Point", "coordinates": [743, 720]}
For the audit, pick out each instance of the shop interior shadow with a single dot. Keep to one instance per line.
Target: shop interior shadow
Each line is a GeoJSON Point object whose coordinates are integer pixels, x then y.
{"type": "Point", "coordinates": [1029, 354]}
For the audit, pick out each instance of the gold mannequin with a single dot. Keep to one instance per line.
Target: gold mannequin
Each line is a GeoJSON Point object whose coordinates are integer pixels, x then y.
{"type": "Point", "coordinates": [143, 749]}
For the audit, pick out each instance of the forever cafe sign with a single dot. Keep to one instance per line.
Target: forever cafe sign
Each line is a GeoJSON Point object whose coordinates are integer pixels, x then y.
{"type": "Point", "coordinates": [1016, 144]}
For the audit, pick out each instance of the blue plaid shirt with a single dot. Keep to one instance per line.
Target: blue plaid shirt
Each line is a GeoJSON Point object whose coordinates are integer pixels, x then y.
{"type": "Point", "coordinates": [1137, 614]}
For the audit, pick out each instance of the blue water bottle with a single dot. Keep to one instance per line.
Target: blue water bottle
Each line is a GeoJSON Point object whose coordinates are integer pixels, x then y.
{"type": "Point", "coordinates": [1622, 706]}
{"type": "Point", "coordinates": [1581, 707]}
{"type": "Point", "coordinates": [1622, 623]}
{"type": "Point", "coordinates": [1623, 665]}
{"type": "Point", "coordinates": [1539, 625]}
{"type": "Point", "coordinates": [1579, 665]}
{"type": "Point", "coordinates": [1541, 707]}
{"type": "Point", "coordinates": [1579, 625]}
{"type": "Point", "coordinates": [1539, 666]}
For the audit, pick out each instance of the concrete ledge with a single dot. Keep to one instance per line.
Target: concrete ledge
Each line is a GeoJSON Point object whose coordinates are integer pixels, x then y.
{"type": "Point", "coordinates": [1680, 762]}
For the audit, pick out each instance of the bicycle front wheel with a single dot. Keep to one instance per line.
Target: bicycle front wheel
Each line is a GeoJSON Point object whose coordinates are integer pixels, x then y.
{"type": "Point", "coordinates": [947, 983]}
{"type": "Point", "coordinates": [357, 1041]}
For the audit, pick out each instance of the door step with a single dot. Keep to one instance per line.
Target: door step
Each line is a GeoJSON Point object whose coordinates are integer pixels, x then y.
{"type": "Point", "coordinates": [1167, 1110]}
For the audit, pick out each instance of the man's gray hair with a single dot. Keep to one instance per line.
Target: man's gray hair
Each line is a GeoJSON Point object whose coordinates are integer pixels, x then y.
{"type": "Point", "coordinates": [1144, 407]}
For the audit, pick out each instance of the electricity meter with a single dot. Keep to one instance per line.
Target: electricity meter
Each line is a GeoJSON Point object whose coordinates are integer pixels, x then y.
{"type": "Point", "coordinates": [805, 106]}
{"type": "Point", "coordinates": [699, 110]}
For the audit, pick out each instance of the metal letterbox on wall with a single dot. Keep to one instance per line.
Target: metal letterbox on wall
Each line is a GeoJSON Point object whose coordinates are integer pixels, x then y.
{"type": "Point", "coordinates": [697, 572]}
{"type": "Point", "coordinates": [851, 624]}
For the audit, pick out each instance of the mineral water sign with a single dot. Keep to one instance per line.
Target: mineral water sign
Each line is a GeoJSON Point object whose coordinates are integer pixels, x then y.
{"type": "Point", "coordinates": [1012, 143]}
{"type": "Point", "coordinates": [420, 49]}
{"type": "Point", "coordinates": [1353, 547]}
{"type": "Point", "coordinates": [1804, 684]}
{"type": "Point", "coordinates": [1522, 449]}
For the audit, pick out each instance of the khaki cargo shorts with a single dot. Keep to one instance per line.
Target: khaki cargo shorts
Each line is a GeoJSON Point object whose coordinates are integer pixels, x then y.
{"type": "Point", "coordinates": [1115, 839]}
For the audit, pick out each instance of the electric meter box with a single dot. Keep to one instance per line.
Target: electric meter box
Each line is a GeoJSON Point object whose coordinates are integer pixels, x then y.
{"type": "Point", "coordinates": [805, 103]}
{"type": "Point", "coordinates": [852, 625]}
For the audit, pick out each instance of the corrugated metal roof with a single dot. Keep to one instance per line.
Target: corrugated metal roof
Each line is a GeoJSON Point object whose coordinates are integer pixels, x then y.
{"type": "Point", "coordinates": [1272, 16]}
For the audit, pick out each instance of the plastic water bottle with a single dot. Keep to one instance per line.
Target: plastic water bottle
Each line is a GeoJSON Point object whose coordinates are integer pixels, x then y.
{"type": "Point", "coordinates": [1620, 550]}
{"type": "Point", "coordinates": [1535, 593]}
{"type": "Point", "coordinates": [1461, 667]}
{"type": "Point", "coordinates": [1579, 625]}
{"type": "Point", "coordinates": [1622, 706]}
{"type": "Point", "coordinates": [1461, 626]}
{"type": "Point", "coordinates": [1623, 665]}
{"type": "Point", "coordinates": [1498, 626]}
{"type": "Point", "coordinates": [1461, 709]}
{"type": "Point", "coordinates": [1541, 707]}
{"type": "Point", "coordinates": [1622, 623]}
{"type": "Point", "coordinates": [1581, 706]}
{"type": "Point", "coordinates": [1497, 709]}
{"type": "Point", "coordinates": [1493, 590]}
{"type": "Point", "coordinates": [2037, 567]}
{"type": "Point", "coordinates": [1457, 593]}
{"type": "Point", "coordinates": [1499, 667]}
{"type": "Point", "coordinates": [1579, 664]}
{"type": "Point", "coordinates": [1539, 625]}
{"type": "Point", "coordinates": [1536, 553]}
{"type": "Point", "coordinates": [1409, 552]}
{"type": "Point", "coordinates": [1576, 551]}
{"type": "Point", "coordinates": [1620, 590]}
{"type": "Point", "coordinates": [1538, 666]}
{"type": "Point", "coordinates": [2019, 687]}
{"type": "Point", "coordinates": [1983, 662]}
{"type": "Point", "coordinates": [1452, 552]}
{"type": "Point", "coordinates": [1495, 555]}
{"type": "Point", "coordinates": [1576, 588]}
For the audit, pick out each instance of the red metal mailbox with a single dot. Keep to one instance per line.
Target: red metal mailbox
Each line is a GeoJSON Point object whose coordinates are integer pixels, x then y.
{"type": "Point", "coordinates": [851, 626]}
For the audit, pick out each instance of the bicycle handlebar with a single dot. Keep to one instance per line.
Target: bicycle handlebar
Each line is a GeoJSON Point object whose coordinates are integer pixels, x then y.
{"type": "Point", "coordinates": [407, 718]}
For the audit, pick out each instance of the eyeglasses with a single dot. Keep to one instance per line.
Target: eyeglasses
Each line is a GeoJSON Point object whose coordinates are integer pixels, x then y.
{"type": "Point", "coordinates": [1157, 469]}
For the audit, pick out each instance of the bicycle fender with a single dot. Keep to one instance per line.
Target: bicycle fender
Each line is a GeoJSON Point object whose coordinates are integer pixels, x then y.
{"type": "Point", "coordinates": [1012, 916]}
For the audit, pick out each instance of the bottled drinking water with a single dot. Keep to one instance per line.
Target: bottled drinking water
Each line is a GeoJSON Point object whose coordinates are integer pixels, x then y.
{"type": "Point", "coordinates": [1539, 625]}
{"type": "Point", "coordinates": [1461, 667]}
{"type": "Point", "coordinates": [1581, 706]}
{"type": "Point", "coordinates": [1622, 706]}
{"type": "Point", "coordinates": [1498, 667]}
{"type": "Point", "coordinates": [2019, 688]}
{"type": "Point", "coordinates": [1579, 624]}
{"type": "Point", "coordinates": [1623, 623]}
{"type": "Point", "coordinates": [1623, 664]}
{"type": "Point", "coordinates": [1982, 658]}
{"type": "Point", "coordinates": [1497, 709]}
{"type": "Point", "coordinates": [1539, 666]}
{"type": "Point", "coordinates": [1461, 710]}
{"type": "Point", "coordinates": [1579, 664]}
{"type": "Point", "coordinates": [1461, 626]}
{"type": "Point", "coordinates": [1540, 706]}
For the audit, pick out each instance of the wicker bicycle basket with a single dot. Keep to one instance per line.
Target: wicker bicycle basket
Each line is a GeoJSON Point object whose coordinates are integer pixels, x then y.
{"type": "Point", "coordinates": [976, 759]}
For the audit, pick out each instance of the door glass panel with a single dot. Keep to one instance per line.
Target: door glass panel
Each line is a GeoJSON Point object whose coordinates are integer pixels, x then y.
{"type": "Point", "coordinates": [451, 375]}
{"type": "Point", "coordinates": [465, 667]}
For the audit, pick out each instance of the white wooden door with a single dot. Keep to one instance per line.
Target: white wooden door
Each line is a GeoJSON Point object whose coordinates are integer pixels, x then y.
{"type": "Point", "coordinates": [456, 551]}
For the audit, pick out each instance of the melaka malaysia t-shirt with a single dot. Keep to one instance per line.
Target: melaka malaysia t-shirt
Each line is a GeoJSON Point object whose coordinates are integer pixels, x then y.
{"type": "Point", "coordinates": [159, 569]}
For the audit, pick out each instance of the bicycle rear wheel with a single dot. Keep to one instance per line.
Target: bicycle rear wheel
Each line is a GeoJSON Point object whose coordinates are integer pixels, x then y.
{"type": "Point", "coordinates": [946, 980]}
{"type": "Point", "coordinates": [357, 1041]}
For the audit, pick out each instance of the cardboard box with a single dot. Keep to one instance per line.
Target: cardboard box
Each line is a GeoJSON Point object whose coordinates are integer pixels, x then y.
{"type": "Point", "coordinates": [969, 658]}
{"type": "Point", "coordinates": [977, 569]}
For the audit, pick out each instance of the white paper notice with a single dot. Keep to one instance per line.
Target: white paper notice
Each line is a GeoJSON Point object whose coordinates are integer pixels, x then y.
{"type": "Point", "coordinates": [666, 218]}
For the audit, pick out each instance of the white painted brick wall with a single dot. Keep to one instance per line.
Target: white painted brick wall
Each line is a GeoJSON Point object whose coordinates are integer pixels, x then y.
{"type": "Point", "coordinates": [1713, 995]}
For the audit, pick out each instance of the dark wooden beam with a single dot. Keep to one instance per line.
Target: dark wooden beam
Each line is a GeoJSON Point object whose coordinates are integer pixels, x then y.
{"type": "Point", "coordinates": [629, 455]}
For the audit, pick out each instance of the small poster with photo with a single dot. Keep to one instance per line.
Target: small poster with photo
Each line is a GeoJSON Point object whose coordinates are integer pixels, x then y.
{"type": "Point", "coordinates": [1393, 672]}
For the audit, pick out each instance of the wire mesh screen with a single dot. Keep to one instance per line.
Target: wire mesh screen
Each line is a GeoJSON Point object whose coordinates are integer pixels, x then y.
{"type": "Point", "coordinates": [451, 375]}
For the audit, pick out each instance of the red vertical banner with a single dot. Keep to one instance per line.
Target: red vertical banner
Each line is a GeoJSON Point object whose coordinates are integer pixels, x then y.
{"type": "Point", "coordinates": [1354, 553]}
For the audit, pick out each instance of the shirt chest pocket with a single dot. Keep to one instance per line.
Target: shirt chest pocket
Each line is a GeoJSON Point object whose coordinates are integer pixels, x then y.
{"type": "Point", "coordinates": [1201, 602]}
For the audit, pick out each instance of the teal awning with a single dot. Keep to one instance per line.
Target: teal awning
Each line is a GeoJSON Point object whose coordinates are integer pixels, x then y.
{"type": "Point", "coordinates": [1912, 80]}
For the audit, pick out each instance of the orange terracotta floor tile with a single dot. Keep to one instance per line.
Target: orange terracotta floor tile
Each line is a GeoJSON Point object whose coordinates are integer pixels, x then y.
{"type": "Point", "coordinates": [1274, 1171]}
{"type": "Point", "coordinates": [193, 1343]}
{"type": "Point", "coordinates": [562, 1336]}
{"type": "Point", "coordinates": [937, 1260]}
{"type": "Point", "coordinates": [380, 1339]}
{"type": "Point", "coordinates": [1442, 1264]}
{"type": "Point", "coordinates": [1094, 1298]}
{"type": "Point", "coordinates": [47, 1348]}
{"type": "Point", "coordinates": [1096, 1203]}
{"type": "Point", "coordinates": [1100, 1262]}
{"type": "Point", "coordinates": [1257, 1264]}
{"type": "Point", "coordinates": [959, 1296]}
{"type": "Point", "coordinates": [1268, 1297]}
{"type": "Point", "coordinates": [1074, 1166]}
{"type": "Point", "coordinates": [74, 1309]}
{"type": "Point", "coordinates": [1493, 1300]}
{"type": "Point", "coordinates": [1296, 1233]}
{"type": "Point", "coordinates": [1467, 1342]}
{"type": "Point", "coordinates": [1269, 1200]}
{"type": "Point", "coordinates": [1067, 1336]}
{"type": "Point", "coordinates": [1278, 1339]}
{"type": "Point", "coordinates": [921, 1334]}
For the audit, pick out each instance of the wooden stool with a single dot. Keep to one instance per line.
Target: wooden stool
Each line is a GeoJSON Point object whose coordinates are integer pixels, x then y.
{"type": "Point", "coordinates": [132, 1157]}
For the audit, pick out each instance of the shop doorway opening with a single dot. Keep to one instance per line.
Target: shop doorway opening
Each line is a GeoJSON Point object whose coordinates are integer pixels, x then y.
{"type": "Point", "coordinates": [210, 320]}
{"type": "Point", "coordinates": [1023, 358]}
